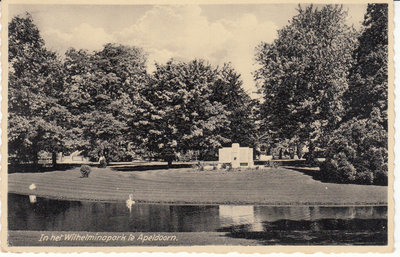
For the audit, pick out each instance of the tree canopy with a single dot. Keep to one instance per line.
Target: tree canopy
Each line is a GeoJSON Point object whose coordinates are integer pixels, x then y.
{"type": "Point", "coordinates": [103, 93]}
{"type": "Point", "coordinates": [228, 90]}
{"type": "Point", "coordinates": [36, 117]}
{"type": "Point", "coordinates": [358, 149]}
{"type": "Point", "coordinates": [303, 74]}
{"type": "Point", "coordinates": [106, 104]}
{"type": "Point", "coordinates": [196, 107]}
{"type": "Point", "coordinates": [369, 76]}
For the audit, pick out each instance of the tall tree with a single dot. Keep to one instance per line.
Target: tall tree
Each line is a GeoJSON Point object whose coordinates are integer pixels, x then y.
{"type": "Point", "coordinates": [369, 76]}
{"type": "Point", "coordinates": [182, 114]}
{"type": "Point", "coordinates": [104, 95]}
{"type": "Point", "coordinates": [228, 90]}
{"type": "Point", "coordinates": [358, 151]}
{"type": "Point", "coordinates": [36, 119]}
{"type": "Point", "coordinates": [303, 75]}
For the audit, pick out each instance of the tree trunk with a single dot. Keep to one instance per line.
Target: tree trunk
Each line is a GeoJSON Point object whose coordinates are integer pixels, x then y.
{"type": "Point", "coordinates": [299, 150]}
{"type": "Point", "coordinates": [54, 159]}
{"type": "Point", "coordinates": [291, 153]}
{"type": "Point", "coordinates": [106, 155]}
{"type": "Point", "coordinates": [35, 159]}
{"type": "Point", "coordinates": [310, 156]}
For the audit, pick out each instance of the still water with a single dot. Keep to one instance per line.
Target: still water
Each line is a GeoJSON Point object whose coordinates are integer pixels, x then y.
{"type": "Point", "coordinates": [270, 224]}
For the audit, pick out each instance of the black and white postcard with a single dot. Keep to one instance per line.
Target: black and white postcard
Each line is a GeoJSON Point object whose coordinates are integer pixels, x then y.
{"type": "Point", "coordinates": [211, 126]}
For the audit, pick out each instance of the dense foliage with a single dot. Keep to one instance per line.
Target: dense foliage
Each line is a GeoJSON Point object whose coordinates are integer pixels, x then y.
{"type": "Point", "coordinates": [303, 75]}
{"type": "Point", "coordinates": [369, 76]}
{"type": "Point", "coordinates": [102, 92]}
{"type": "Point", "coordinates": [357, 153]}
{"type": "Point", "coordinates": [182, 115]}
{"type": "Point", "coordinates": [105, 103]}
{"type": "Point", "coordinates": [243, 116]}
{"type": "Point", "coordinates": [325, 85]}
{"type": "Point", "coordinates": [36, 117]}
{"type": "Point", "coordinates": [358, 150]}
{"type": "Point", "coordinates": [195, 107]}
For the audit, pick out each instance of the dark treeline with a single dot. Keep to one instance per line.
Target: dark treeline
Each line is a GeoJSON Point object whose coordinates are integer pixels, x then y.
{"type": "Point", "coordinates": [105, 103]}
{"type": "Point", "coordinates": [324, 86]}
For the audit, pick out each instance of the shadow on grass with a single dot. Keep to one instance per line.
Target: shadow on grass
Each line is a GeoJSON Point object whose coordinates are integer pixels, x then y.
{"type": "Point", "coordinates": [316, 174]}
{"type": "Point", "coordinates": [29, 168]}
{"type": "Point", "coordinates": [310, 171]}
{"type": "Point", "coordinates": [150, 167]}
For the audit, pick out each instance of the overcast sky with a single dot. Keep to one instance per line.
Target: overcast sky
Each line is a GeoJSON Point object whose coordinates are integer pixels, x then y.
{"type": "Point", "coordinates": [217, 33]}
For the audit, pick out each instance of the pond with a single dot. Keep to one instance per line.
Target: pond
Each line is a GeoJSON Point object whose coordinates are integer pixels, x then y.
{"type": "Point", "coordinates": [365, 225]}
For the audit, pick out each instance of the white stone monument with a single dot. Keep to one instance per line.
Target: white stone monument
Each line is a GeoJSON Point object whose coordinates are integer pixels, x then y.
{"type": "Point", "coordinates": [236, 156]}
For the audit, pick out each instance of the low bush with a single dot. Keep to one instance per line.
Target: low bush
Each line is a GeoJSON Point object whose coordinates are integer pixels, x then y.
{"type": "Point", "coordinates": [357, 153]}
{"type": "Point", "coordinates": [226, 166]}
{"type": "Point", "coordinates": [271, 164]}
{"type": "Point", "coordinates": [198, 166]}
{"type": "Point", "coordinates": [85, 171]}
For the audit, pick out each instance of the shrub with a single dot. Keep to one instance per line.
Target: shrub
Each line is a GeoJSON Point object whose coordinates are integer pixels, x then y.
{"type": "Point", "coordinates": [271, 164]}
{"type": "Point", "coordinates": [276, 153]}
{"type": "Point", "coordinates": [203, 167]}
{"type": "Point", "coordinates": [357, 153]}
{"type": "Point", "coordinates": [226, 166]}
{"type": "Point", "coordinates": [85, 171]}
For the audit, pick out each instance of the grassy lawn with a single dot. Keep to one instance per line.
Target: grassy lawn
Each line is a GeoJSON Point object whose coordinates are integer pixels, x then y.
{"type": "Point", "coordinates": [277, 186]}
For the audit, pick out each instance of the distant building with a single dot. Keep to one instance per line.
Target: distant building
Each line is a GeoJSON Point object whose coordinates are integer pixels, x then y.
{"type": "Point", "coordinates": [236, 156]}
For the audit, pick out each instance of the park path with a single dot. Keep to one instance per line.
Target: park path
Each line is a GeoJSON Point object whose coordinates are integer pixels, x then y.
{"type": "Point", "coordinates": [187, 186]}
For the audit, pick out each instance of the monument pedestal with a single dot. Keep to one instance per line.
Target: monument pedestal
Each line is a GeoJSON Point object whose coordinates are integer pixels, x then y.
{"type": "Point", "coordinates": [236, 156]}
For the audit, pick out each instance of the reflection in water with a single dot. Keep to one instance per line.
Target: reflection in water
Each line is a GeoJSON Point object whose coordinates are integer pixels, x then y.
{"type": "Point", "coordinates": [240, 215]}
{"type": "Point", "coordinates": [271, 224]}
{"type": "Point", "coordinates": [32, 198]}
{"type": "Point", "coordinates": [130, 202]}
{"type": "Point", "coordinates": [195, 218]}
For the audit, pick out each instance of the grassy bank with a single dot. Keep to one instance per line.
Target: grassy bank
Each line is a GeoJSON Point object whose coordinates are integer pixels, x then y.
{"type": "Point", "coordinates": [187, 186]}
